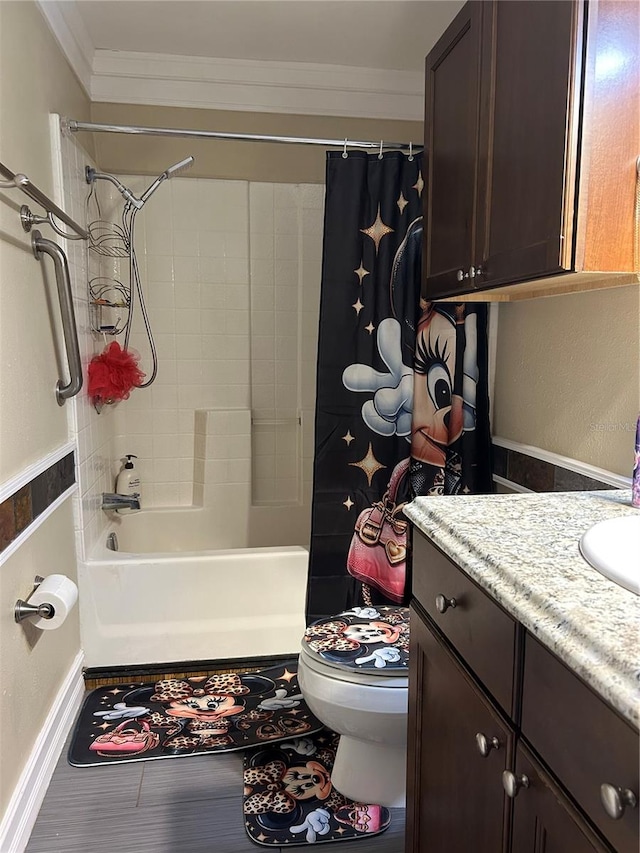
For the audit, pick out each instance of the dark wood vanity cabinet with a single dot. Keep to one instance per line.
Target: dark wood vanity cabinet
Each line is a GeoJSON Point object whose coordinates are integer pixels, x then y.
{"type": "Point", "coordinates": [544, 821]}
{"type": "Point", "coordinates": [514, 123]}
{"type": "Point", "coordinates": [507, 747]}
{"type": "Point", "coordinates": [459, 747]}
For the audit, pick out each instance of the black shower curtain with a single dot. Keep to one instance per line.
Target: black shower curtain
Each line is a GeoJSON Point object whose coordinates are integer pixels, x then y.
{"type": "Point", "coordinates": [367, 328]}
{"type": "Point", "coordinates": [370, 319]}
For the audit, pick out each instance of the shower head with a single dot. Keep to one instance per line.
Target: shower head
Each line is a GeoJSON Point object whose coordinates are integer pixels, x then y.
{"type": "Point", "coordinates": [168, 173]}
{"type": "Point", "coordinates": [182, 166]}
{"type": "Point", "coordinates": [92, 175]}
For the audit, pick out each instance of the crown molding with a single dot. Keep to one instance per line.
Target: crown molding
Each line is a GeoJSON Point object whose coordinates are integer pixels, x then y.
{"type": "Point", "coordinates": [69, 30]}
{"type": "Point", "coordinates": [156, 79]}
{"type": "Point", "coordinates": [254, 86]}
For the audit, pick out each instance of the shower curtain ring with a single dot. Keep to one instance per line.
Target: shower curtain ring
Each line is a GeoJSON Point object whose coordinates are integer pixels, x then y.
{"type": "Point", "coordinates": [344, 150]}
{"type": "Point", "coordinates": [380, 154]}
{"type": "Point", "coordinates": [411, 152]}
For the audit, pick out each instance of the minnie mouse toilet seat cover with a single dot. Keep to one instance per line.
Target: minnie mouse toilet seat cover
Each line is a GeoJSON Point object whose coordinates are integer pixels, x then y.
{"type": "Point", "coordinates": [374, 640]}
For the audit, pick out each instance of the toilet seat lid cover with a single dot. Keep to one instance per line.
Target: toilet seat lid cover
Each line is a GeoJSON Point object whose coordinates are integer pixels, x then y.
{"type": "Point", "coordinates": [373, 639]}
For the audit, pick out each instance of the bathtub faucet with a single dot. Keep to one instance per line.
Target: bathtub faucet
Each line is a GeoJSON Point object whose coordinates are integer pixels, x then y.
{"type": "Point", "coordinates": [114, 501]}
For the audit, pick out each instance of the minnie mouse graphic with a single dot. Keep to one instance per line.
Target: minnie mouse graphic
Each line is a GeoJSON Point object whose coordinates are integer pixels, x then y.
{"type": "Point", "coordinates": [201, 712]}
{"type": "Point", "coordinates": [289, 795]}
{"type": "Point", "coordinates": [207, 705]}
{"type": "Point", "coordinates": [363, 637]}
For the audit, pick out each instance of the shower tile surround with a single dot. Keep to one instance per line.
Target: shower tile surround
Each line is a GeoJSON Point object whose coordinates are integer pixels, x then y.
{"type": "Point", "coordinates": [231, 276]}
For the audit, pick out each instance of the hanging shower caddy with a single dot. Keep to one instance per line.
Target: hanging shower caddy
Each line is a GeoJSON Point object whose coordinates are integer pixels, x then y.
{"type": "Point", "coordinates": [112, 297]}
{"type": "Point", "coordinates": [109, 296]}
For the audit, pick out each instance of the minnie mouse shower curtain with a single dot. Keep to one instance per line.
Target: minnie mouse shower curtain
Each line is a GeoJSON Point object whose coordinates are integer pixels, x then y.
{"type": "Point", "coordinates": [372, 452]}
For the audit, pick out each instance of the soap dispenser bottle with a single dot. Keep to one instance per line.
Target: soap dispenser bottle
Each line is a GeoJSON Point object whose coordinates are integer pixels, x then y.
{"type": "Point", "coordinates": [128, 481]}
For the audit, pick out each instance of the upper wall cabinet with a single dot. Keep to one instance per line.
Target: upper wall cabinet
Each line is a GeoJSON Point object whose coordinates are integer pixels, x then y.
{"type": "Point", "coordinates": [532, 130]}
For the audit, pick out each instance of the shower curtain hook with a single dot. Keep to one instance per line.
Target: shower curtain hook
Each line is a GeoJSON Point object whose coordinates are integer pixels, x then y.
{"type": "Point", "coordinates": [380, 154]}
{"type": "Point", "coordinates": [411, 152]}
{"type": "Point", "coordinates": [344, 150]}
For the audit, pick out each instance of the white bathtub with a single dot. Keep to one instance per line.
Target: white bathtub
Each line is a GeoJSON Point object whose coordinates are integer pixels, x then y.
{"type": "Point", "coordinates": [169, 594]}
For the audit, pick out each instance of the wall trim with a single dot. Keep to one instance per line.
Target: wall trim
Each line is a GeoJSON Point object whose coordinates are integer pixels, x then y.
{"type": "Point", "coordinates": [35, 524]}
{"type": "Point", "coordinates": [69, 31]}
{"type": "Point", "coordinates": [591, 471]}
{"type": "Point", "coordinates": [515, 487]}
{"type": "Point", "coordinates": [298, 88]}
{"type": "Point", "coordinates": [22, 811]}
{"type": "Point", "coordinates": [10, 487]}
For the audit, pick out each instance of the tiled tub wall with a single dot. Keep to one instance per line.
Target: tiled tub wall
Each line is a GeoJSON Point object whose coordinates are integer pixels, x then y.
{"type": "Point", "coordinates": [231, 277]}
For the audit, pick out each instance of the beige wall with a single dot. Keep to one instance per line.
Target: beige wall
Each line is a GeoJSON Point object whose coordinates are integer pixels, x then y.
{"type": "Point", "coordinates": [246, 161]}
{"type": "Point", "coordinates": [34, 81]}
{"type": "Point", "coordinates": [568, 375]}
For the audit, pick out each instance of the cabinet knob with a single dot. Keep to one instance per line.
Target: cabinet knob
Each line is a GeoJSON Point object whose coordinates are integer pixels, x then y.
{"type": "Point", "coordinates": [461, 275]}
{"type": "Point", "coordinates": [615, 800]}
{"type": "Point", "coordinates": [475, 272]}
{"type": "Point", "coordinates": [486, 744]}
{"type": "Point", "coordinates": [443, 603]}
{"type": "Point", "coordinates": [512, 783]}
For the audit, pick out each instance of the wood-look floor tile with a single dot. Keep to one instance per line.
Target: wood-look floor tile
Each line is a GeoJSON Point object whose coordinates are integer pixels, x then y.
{"type": "Point", "coordinates": [201, 777]}
{"type": "Point", "coordinates": [179, 805]}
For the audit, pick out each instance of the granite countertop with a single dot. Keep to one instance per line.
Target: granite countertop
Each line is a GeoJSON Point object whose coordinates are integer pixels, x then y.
{"type": "Point", "coordinates": [523, 550]}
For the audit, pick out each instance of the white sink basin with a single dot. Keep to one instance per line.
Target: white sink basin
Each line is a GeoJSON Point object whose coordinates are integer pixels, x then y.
{"type": "Point", "coordinates": [613, 548]}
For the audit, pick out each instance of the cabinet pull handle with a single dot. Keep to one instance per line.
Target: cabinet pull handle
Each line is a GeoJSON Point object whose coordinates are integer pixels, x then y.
{"type": "Point", "coordinates": [443, 603]}
{"type": "Point", "coordinates": [512, 783]}
{"type": "Point", "coordinates": [486, 744]}
{"type": "Point", "coordinates": [615, 800]}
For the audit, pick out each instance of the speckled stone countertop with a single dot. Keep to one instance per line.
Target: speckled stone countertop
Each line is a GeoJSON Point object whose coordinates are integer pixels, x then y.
{"type": "Point", "coordinates": [523, 550]}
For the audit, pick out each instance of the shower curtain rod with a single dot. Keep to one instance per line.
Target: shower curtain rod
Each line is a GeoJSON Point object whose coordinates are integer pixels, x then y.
{"type": "Point", "coordinates": [75, 126]}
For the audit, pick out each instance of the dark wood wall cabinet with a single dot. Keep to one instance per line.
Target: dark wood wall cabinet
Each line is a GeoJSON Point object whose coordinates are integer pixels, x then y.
{"type": "Point", "coordinates": [532, 133]}
{"type": "Point", "coordinates": [509, 751]}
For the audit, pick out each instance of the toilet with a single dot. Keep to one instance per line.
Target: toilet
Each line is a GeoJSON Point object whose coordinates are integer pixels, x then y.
{"type": "Point", "coordinates": [353, 674]}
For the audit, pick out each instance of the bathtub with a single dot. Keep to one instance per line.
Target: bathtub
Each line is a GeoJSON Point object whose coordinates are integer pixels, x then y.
{"type": "Point", "coordinates": [170, 593]}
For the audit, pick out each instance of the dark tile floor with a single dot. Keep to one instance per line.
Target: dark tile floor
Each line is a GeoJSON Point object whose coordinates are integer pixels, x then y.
{"type": "Point", "coordinates": [173, 805]}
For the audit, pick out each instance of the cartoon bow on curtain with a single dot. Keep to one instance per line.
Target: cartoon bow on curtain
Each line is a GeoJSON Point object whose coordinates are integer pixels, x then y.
{"type": "Point", "coordinates": [383, 434]}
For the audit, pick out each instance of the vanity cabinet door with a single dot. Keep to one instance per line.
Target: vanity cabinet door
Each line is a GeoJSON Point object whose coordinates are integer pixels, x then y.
{"type": "Point", "coordinates": [544, 821]}
{"type": "Point", "coordinates": [458, 748]}
{"type": "Point", "coordinates": [527, 183]}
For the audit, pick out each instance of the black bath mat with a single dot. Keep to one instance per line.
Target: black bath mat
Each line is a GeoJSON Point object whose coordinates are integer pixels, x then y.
{"type": "Point", "coordinates": [289, 799]}
{"type": "Point", "coordinates": [190, 716]}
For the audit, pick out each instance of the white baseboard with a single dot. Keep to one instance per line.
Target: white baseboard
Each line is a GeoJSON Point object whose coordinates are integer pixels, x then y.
{"type": "Point", "coordinates": [27, 798]}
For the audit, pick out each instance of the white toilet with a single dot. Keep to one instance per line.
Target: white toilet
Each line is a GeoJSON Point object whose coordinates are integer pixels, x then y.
{"type": "Point", "coordinates": [353, 674]}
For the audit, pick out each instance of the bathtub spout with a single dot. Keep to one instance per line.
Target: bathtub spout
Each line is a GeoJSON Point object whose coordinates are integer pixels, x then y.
{"type": "Point", "coordinates": [114, 501]}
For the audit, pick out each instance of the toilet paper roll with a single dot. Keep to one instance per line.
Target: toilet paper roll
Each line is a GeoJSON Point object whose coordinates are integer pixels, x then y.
{"type": "Point", "coordinates": [61, 593]}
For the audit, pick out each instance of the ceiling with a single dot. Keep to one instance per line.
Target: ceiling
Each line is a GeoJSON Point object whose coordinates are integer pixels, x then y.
{"type": "Point", "coordinates": [389, 34]}
{"type": "Point", "coordinates": [357, 58]}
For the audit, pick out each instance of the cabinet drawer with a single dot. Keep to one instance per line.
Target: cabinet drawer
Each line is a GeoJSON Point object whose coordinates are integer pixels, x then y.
{"type": "Point", "coordinates": [582, 740]}
{"type": "Point", "coordinates": [480, 631]}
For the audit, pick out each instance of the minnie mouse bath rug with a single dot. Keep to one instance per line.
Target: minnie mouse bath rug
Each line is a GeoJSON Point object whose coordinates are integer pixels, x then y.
{"type": "Point", "coordinates": [190, 716]}
{"type": "Point", "coordinates": [289, 799]}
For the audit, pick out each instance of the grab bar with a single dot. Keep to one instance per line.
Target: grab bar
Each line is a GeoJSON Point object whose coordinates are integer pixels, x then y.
{"type": "Point", "coordinates": [23, 183]}
{"type": "Point", "coordinates": [63, 281]}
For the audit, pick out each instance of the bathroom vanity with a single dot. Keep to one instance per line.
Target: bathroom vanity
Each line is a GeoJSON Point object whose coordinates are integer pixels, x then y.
{"type": "Point", "coordinates": [524, 687]}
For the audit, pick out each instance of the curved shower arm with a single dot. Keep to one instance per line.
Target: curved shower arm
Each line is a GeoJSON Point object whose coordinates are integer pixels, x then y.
{"type": "Point", "coordinates": [63, 281]}
{"type": "Point", "coordinates": [91, 175]}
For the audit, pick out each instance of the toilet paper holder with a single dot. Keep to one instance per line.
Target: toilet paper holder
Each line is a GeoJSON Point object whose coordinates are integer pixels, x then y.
{"type": "Point", "coordinates": [23, 609]}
